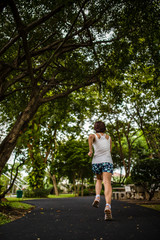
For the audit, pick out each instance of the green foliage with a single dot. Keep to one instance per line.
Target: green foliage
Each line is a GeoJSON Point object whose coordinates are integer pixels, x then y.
{"type": "Point", "coordinates": [90, 191]}
{"type": "Point", "coordinates": [155, 206]}
{"type": "Point", "coordinates": [109, 45]}
{"type": "Point", "coordinates": [147, 174]}
{"type": "Point", "coordinates": [19, 205]}
{"type": "Point", "coordinates": [147, 170]}
{"type": "Point", "coordinates": [116, 185]}
{"type": "Point", "coordinates": [5, 205]}
{"type": "Point", "coordinates": [11, 205]}
{"type": "Point", "coordinates": [4, 219]}
{"type": "Point", "coordinates": [11, 172]}
{"type": "Point", "coordinates": [128, 180]}
{"type": "Point", "coordinates": [85, 192]}
{"type": "Point", "coordinates": [36, 193]}
{"type": "Point", "coordinates": [34, 143]}
{"type": "Point", "coordinates": [72, 160]}
{"type": "Point", "coordinates": [1, 188]}
{"type": "Point", "coordinates": [66, 195]}
{"type": "Point", "coordinates": [36, 175]}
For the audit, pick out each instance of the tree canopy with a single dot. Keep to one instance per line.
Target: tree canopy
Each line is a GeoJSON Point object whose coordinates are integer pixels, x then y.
{"type": "Point", "coordinates": [50, 49]}
{"type": "Point", "coordinates": [147, 174]}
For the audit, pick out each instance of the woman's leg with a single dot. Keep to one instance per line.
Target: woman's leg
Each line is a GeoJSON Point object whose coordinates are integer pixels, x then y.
{"type": "Point", "coordinates": [107, 187]}
{"type": "Point", "coordinates": [98, 186]}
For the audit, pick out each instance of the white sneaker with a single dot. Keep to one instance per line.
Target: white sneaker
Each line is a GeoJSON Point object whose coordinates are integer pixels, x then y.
{"type": "Point", "coordinates": [108, 212]}
{"type": "Point", "coordinates": [95, 203]}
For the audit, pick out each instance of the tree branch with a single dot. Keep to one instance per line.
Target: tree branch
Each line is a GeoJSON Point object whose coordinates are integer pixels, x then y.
{"type": "Point", "coordinates": [11, 185]}
{"type": "Point", "coordinates": [2, 97]}
{"type": "Point", "coordinates": [23, 33]}
{"type": "Point", "coordinates": [63, 42]}
{"type": "Point", "coordinates": [30, 27]}
{"type": "Point", "coordinates": [91, 39]}
{"type": "Point", "coordinates": [38, 22]}
{"type": "Point", "coordinates": [67, 92]}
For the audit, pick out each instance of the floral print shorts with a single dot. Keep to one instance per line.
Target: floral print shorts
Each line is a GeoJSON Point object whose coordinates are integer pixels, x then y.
{"type": "Point", "coordinates": [98, 168]}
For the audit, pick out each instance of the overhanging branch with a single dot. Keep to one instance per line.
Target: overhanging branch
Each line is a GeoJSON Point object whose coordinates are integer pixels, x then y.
{"type": "Point", "coordinates": [23, 34]}
{"type": "Point", "coordinates": [67, 92]}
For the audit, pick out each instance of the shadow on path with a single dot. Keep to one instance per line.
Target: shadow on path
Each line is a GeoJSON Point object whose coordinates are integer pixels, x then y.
{"type": "Point", "coordinates": [76, 219]}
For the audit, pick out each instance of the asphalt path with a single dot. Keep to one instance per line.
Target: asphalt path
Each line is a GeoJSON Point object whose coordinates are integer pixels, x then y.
{"type": "Point", "coordinates": [75, 218]}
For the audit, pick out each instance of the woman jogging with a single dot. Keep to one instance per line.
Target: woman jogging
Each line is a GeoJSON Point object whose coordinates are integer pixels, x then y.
{"type": "Point", "coordinates": [102, 165]}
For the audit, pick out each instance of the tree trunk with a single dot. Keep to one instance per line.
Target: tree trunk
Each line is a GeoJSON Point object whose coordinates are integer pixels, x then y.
{"type": "Point", "coordinates": [78, 188]}
{"type": "Point", "coordinates": [9, 143]}
{"type": "Point", "coordinates": [2, 195]}
{"type": "Point", "coordinates": [55, 185]}
{"type": "Point", "coordinates": [82, 187]}
{"type": "Point", "coordinates": [74, 185]}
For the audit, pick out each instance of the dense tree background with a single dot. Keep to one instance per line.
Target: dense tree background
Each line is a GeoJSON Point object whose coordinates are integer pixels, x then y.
{"type": "Point", "coordinates": [65, 63]}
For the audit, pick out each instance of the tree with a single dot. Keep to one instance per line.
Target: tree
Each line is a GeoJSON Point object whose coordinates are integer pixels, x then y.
{"type": "Point", "coordinates": [40, 138]}
{"type": "Point", "coordinates": [121, 127]}
{"type": "Point", "coordinates": [130, 111]}
{"type": "Point", "coordinates": [144, 101]}
{"type": "Point", "coordinates": [36, 77]}
{"type": "Point", "coordinates": [147, 174]}
{"type": "Point", "coordinates": [41, 63]}
{"type": "Point", "coordinates": [12, 170]}
{"type": "Point", "coordinates": [72, 161]}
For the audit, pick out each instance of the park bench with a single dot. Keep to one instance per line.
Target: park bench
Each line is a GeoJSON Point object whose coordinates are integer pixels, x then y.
{"type": "Point", "coordinates": [119, 193]}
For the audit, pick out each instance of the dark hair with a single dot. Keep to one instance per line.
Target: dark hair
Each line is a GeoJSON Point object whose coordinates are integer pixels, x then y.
{"type": "Point", "coordinates": [99, 126]}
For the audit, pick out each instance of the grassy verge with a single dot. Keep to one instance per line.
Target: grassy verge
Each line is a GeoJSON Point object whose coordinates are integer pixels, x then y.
{"type": "Point", "coordinates": [14, 199]}
{"type": "Point", "coordinates": [4, 219]}
{"type": "Point", "coordinates": [62, 196]}
{"type": "Point", "coordinates": [19, 205]}
{"type": "Point", "coordinates": [12, 210]}
{"type": "Point", "coordinates": [154, 206]}
{"type": "Point", "coordinates": [49, 196]}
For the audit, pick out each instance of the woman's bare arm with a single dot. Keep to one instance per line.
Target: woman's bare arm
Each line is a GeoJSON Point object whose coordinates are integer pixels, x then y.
{"type": "Point", "coordinates": [90, 142]}
{"type": "Point", "coordinates": [110, 144]}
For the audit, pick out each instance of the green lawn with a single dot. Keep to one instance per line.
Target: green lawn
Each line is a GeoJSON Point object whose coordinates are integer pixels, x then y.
{"type": "Point", "coordinates": [19, 205]}
{"type": "Point", "coordinates": [49, 196]}
{"type": "Point", "coordinates": [14, 199]}
{"type": "Point", "coordinates": [4, 219]}
{"type": "Point", "coordinates": [62, 196]}
{"type": "Point", "coordinates": [7, 209]}
{"type": "Point", "coordinates": [153, 206]}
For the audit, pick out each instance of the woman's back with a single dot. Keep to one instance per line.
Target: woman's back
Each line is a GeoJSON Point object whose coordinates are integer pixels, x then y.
{"type": "Point", "coordinates": [101, 147]}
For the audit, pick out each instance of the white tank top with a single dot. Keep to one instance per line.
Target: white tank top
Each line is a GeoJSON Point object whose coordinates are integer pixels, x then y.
{"type": "Point", "coordinates": [102, 152]}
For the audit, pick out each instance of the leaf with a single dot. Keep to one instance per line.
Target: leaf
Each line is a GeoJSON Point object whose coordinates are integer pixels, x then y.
{"type": "Point", "coordinates": [58, 210]}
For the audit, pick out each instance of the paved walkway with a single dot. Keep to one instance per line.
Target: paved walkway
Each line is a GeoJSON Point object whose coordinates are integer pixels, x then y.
{"type": "Point", "coordinates": [76, 219]}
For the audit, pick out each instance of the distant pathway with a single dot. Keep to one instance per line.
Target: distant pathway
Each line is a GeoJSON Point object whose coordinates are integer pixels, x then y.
{"type": "Point", "coordinates": [76, 219]}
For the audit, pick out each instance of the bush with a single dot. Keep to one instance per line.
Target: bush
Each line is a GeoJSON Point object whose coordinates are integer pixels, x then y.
{"type": "Point", "coordinates": [52, 191]}
{"type": "Point", "coordinates": [91, 186]}
{"type": "Point", "coordinates": [85, 192]}
{"type": "Point", "coordinates": [2, 188]}
{"type": "Point", "coordinates": [128, 180]}
{"type": "Point", "coordinates": [146, 173]}
{"type": "Point", "coordinates": [102, 192]}
{"type": "Point", "coordinates": [117, 185]}
{"type": "Point", "coordinates": [36, 193]}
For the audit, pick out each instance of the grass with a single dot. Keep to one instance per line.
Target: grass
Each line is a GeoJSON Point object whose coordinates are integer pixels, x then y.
{"type": "Point", "coordinates": [14, 199]}
{"type": "Point", "coordinates": [19, 205]}
{"type": "Point", "coordinates": [62, 196]}
{"type": "Point", "coordinates": [4, 219]}
{"type": "Point", "coordinates": [49, 196]}
{"type": "Point", "coordinates": [152, 206]}
{"type": "Point", "coordinates": [8, 209]}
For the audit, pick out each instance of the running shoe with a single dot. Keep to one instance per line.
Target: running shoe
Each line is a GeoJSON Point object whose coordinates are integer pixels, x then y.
{"type": "Point", "coordinates": [95, 203]}
{"type": "Point", "coordinates": [108, 213]}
